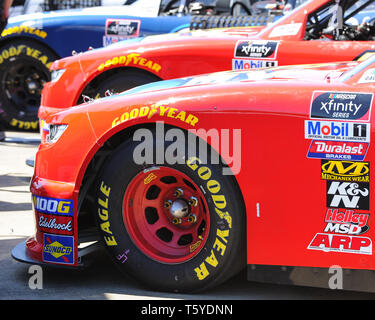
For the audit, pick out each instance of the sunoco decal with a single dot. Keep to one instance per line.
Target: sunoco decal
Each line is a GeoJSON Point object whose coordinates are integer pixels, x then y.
{"type": "Point", "coordinates": [341, 105]}
{"type": "Point", "coordinates": [259, 49]}
{"type": "Point", "coordinates": [338, 150]}
{"type": "Point", "coordinates": [331, 130]}
{"type": "Point", "coordinates": [58, 249]}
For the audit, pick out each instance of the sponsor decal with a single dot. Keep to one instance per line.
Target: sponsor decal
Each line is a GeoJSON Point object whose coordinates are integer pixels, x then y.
{"type": "Point", "coordinates": [331, 130]}
{"type": "Point", "coordinates": [291, 29]}
{"type": "Point", "coordinates": [341, 105]}
{"type": "Point", "coordinates": [258, 49]}
{"type": "Point", "coordinates": [345, 171]}
{"type": "Point", "coordinates": [338, 150]}
{"type": "Point", "coordinates": [242, 64]}
{"type": "Point", "coordinates": [133, 59]}
{"type": "Point", "coordinates": [351, 195]}
{"type": "Point", "coordinates": [341, 243]}
{"type": "Point", "coordinates": [368, 76]}
{"type": "Point", "coordinates": [148, 112]}
{"type": "Point", "coordinates": [58, 249]}
{"type": "Point", "coordinates": [53, 206]}
{"type": "Point", "coordinates": [55, 224]}
{"type": "Point", "coordinates": [24, 29]}
{"type": "Point", "coordinates": [346, 222]}
{"type": "Point", "coordinates": [108, 40]}
{"type": "Point", "coordinates": [122, 27]}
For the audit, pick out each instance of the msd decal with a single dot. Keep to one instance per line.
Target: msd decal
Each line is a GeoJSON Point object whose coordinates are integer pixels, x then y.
{"type": "Point", "coordinates": [348, 221]}
{"type": "Point", "coordinates": [258, 49]}
{"type": "Point", "coordinates": [341, 106]}
{"type": "Point", "coordinates": [332, 130]}
{"type": "Point", "coordinates": [341, 243]}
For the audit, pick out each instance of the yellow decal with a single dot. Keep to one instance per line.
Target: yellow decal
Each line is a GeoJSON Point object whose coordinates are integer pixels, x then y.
{"type": "Point", "coordinates": [24, 29]}
{"type": "Point", "coordinates": [24, 124]}
{"type": "Point", "coordinates": [148, 112]}
{"type": "Point", "coordinates": [103, 215]}
{"type": "Point", "coordinates": [57, 250]}
{"type": "Point", "coordinates": [220, 202]}
{"type": "Point", "coordinates": [133, 59]}
{"type": "Point", "coordinates": [23, 49]}
{"type": "Point", "coordinates": [149, 178]}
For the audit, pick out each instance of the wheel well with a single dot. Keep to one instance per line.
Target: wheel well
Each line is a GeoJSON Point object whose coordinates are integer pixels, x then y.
{"type": "Point", "coordinates": [95, 82]}
{"type": "Point", "coordinates": [86, 200]}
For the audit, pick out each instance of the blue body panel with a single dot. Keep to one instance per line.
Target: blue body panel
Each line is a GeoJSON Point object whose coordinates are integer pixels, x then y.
{"type": "Point", "coordinates": [68, 30]}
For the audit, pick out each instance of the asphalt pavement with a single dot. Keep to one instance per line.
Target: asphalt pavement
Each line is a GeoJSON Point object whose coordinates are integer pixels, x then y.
{"type": "Point", "coordinates": [101, 280]}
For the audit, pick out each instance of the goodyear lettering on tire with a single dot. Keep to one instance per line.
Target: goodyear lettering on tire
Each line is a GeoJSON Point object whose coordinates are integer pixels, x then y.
{"type": "Point", "coordinates": [105, 226]}
{"type": "Point", "coordinates": [220, 203]}
{"type": "Point", "coordinates": [23, 49]}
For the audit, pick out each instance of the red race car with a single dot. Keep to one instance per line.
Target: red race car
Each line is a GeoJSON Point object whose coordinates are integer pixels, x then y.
{"type": "Point", "coordinates": [317, 31]}
{"type": "Point", "coordinates": [196, 178]}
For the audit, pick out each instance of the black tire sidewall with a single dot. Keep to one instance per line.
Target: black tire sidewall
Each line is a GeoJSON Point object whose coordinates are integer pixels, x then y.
{"type": "Point", "coordinates": [224, 245]}
{"type": "Point", "coordinates": [11, 53]}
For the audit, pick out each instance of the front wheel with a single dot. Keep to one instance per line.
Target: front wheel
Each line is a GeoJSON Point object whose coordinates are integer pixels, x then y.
{"type": "Point", "coordinates": [177, 228]}
{"type": "Point", "coordinates": [24, 69]}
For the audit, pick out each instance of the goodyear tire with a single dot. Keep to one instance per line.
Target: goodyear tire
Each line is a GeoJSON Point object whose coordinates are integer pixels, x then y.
{"type": "Point", "coordinates": [24, 68]}
{"type": "Point", "coordinates": [116, 83]}
{"type": "Point", "coordinates": [177, 228]}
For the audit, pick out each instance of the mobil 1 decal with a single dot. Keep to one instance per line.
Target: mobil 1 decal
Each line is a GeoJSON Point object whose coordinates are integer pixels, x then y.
{"type": "Point", "coordinates": [351, 106]}
{"type": "Point", "coordinates": [258, 49]}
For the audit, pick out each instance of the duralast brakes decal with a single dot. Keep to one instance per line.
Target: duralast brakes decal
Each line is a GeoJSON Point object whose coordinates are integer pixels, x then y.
{"type": "Point", "coordinates": [341, 105]}
{"type": "Point", "coordinates": [338, 150]}
{"type": "Point", "coordinates": [103, 214]}
{"type": "Point", "coordinates": [352, 171]}
{"type": "Point", "coordinates": [333, 130]}
{"type": "Point", "coordinates": [341, 243]}
{"type": "Point", "coordinates": [153, 110]}
{"type": "Point", "coordinates": [122, 27]}
{"type": "Point", "coordinates": [24, 29]}
{"type": "Point", "coordinates": [134, 59]}
{"type": "Point", "coordinates": [349, 195]}
{"type": "Point", "coordinates": [257, 49]}
{"type": "Point", "coordinates": [58, 249]}
{"type": "Point", "coordinates": [53, 206]}
{"type": "Point", "coordinates": [219, 200]}
{"type": "Point", "coordinates": [245, 64]}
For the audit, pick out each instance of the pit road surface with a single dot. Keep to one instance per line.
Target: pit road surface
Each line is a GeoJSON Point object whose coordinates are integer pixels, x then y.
{"type": "Point", "coordinates": [100, 281]}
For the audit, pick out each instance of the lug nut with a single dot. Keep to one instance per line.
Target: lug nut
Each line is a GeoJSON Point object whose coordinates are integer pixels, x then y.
{"type": "Point", "coordinates": [192, 218]}
{"type": "Point", "coordinates": [178, 193]}
{"type": "Point", "coordinates": [193, 201]}
{"type": "Point", "coordinates": [176, 220]}
{"type": "Point", "coordinates": [167, 203]}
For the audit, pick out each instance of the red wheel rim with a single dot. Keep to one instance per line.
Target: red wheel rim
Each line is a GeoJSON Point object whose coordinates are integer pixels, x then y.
{"type": "Point", "coordinates": [166, 215]}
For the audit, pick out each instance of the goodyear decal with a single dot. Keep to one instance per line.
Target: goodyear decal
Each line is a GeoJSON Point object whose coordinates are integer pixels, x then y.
{"type": "Point", "coordinates": [130, 59]}
{"type": "Point", "coordinates": [58, 249]}
{"type": "Point", "coordinates": [155, 109]}
{"type": "Point", "coordinates": [53, 206]}
{"type": "Point", "coordinates": [24, 29]}
{"type": "Point", "coordinates": [212, 259]}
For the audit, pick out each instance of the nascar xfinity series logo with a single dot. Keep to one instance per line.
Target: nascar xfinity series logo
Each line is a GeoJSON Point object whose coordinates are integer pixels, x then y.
{"type": "Point", "coordinates": [341, 105]}
{"type": "Point", "coordinates": [256, 49]}
{"type": "Point", "coordinates": [330, 130]}
{"type": "Point", "coordinates": [122, 27]}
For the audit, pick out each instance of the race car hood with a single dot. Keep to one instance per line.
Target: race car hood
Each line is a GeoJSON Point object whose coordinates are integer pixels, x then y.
{"type": "Point", "coordinates": [306, 73]}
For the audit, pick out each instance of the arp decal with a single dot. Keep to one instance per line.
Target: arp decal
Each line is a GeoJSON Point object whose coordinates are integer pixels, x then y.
{"type": "Point", "coordinates": [122, 27]}
{"type": "Point", "coordinates": [345, 171]}
{"type": "Point", "coordinates": [243, 64]}
{"type": "Point", "coordinates": [58, 249]}
{"type": "Point", "coordinates": [350, 195]}
{"type": "Point", "coordinates": [332, 130]}
{"type": "Point", "coordinates": [338, 150]}
{"type": "Point", "coordinates": [341, 243]}
{"type": "Point", "coordinates": [257, 49]}
{"type": "Point", "coordinates": [341, 105]}
{"type": "Point", "coordinates": [53, 206]}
